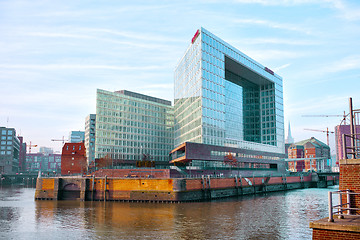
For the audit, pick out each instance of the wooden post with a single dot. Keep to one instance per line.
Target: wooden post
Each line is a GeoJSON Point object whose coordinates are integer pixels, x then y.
{"type": "Point", "coordinates": [105, 185]}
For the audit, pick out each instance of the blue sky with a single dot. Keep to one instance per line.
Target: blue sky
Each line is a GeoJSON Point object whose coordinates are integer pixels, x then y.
{"type": "Point", "coordinates": [55, 54]}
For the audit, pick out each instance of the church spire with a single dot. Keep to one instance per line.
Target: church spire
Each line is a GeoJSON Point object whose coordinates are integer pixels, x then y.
{"type": "Point", "coordinates": [289, 138]}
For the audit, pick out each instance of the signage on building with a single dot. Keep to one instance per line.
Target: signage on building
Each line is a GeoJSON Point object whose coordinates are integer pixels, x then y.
{"type": "Point", "coordinates": [195, 36]}
{"type": "Point", "coordinates": [269, 71]}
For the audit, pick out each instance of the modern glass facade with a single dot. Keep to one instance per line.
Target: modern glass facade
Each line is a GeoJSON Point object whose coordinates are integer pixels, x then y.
{"type": "Point", "coordinates": [130, 125]}
{"type": "Point", "coordinates": [225, 98]}
{"type": "Point", "coordinates": [9, 151]}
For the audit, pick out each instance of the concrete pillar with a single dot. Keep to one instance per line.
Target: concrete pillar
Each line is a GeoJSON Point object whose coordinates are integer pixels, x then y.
{"type": "Point", "coordinates": [83, 188]}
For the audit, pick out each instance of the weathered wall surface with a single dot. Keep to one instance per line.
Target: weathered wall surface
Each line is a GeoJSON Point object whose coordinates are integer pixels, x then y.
{"type": "Point", "coordinates": [161, 189]}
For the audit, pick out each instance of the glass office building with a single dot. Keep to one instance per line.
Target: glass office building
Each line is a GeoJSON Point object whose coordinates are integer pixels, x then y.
{"type": "Point", "coordinates": [9, 151]}
{"type": "Point", "coordinates": [225, 98]}
{"type": "Point", "coordinates": [130, 125]}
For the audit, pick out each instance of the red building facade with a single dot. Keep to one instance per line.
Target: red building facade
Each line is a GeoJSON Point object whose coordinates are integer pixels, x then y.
{"type": "Point", "coordinates": [73, 159]}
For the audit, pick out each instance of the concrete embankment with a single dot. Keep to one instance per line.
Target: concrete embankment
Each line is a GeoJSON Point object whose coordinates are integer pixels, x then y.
{"type": "Point", "coordinates": [169, 189]}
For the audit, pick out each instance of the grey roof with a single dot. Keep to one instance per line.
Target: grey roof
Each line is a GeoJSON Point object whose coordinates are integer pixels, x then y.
{"type": "Point", "coordinates": [314, 141]}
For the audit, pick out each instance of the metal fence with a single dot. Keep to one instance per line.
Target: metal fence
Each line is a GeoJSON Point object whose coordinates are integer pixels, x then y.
{"type": "Point", "coordinates": [343, 208]}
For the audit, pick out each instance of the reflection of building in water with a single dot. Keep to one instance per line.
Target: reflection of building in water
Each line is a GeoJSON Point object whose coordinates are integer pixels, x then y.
{"type": "Point", "coordinates": [224, 98]}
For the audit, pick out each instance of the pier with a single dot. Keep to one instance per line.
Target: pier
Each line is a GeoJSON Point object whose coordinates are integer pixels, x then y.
{"type": "Point", "coordinates": [144, 189]}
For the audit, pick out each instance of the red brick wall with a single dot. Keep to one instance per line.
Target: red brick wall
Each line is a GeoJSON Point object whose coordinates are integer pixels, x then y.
{"type": "Point", "coordinates": [350, 179]}
{"type": "Point", "coordinates": [320, 234]}
{"type": "Point", "coordinates": [73, 159]}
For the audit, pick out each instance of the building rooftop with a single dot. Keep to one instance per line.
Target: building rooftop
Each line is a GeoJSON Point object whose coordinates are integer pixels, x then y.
{"type": "Point", "coordinates": [314, 141]}
{"type": "Point", "coordinates": [144, 97]}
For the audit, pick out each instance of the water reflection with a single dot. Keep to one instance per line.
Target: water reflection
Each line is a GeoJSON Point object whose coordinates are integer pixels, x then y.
{"type": "Point", "coordinates": [283, 215]}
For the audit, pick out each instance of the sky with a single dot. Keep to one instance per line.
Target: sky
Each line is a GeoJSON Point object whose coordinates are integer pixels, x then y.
{"type": "Point", "coordinates": [55, 54]}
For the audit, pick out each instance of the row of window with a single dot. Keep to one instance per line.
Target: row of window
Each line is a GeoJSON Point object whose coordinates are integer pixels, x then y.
{"type": "Point", "coordinates": [242, 155]}
{"type": "Point", "coordinates": [6, 132]}
{"type": "Point", "coordinates": [5, 152]}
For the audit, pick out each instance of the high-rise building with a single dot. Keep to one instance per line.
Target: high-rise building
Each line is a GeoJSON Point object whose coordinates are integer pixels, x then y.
{"type": "Point", "coordinates": [132, 126]}
{"type": "Point", "coordinates": [340, 130]}
{"type": "Point", "coordinates": [90, 123]}
{"type": "Point", "coordinates": [76, 136]}
{"type": "Point", "coordinates": [9, 151]}
{"type": "Point", "coordinates": [225, 98]}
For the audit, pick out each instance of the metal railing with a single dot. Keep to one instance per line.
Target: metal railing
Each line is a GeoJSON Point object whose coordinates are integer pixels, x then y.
{"type": "Point", "coordinates": [342, 208]}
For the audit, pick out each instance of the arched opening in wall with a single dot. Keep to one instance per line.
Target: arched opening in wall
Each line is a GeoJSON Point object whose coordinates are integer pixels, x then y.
{"type": "Point", "coordinates": [70, 191]}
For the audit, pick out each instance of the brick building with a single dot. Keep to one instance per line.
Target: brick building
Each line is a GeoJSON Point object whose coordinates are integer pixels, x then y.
{"type": "Point", "coordinates": [309, 154]}
{"type": "Point", "coordinates": [73, 159]}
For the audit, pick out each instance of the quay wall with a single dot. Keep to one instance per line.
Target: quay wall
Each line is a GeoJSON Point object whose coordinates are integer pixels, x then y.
{"type": "Point", "coordinates": [165, 189]}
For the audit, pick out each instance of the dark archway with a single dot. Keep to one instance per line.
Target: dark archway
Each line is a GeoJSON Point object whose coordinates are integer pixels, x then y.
{"type": "Point", "coordinates": [70, 191]}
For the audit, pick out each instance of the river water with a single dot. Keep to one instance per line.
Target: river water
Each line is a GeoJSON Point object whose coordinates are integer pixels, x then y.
{"type": "Point", "coordinates": [280, 215]}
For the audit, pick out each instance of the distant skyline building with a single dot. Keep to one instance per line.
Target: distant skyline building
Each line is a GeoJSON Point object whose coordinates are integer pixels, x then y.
{"type": "Point", "coordinates": [309, 154]}
{"type": "Point", "coordinates": [130, 126]}
{"type": "Point", "coordinates": [22, 154]}
{"type": "Point", "coordinates": [9, 151]}
{"type": "Point", "coordinates": [225, 98]}
{"type": "Point", "coordinates": [46, 150]}
{"type": "Point", "coordinates": [90, 123]}
{"type": "Point", "coordinates": [289, 138]}
{"type": "Point", "coordinates": [76, 136]}
{"type": "Point", "coordinates": [44, 162]}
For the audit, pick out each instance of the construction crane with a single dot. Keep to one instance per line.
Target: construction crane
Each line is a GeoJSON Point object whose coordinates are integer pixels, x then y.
{"type": "Point", "coordinates": [60, 140]}
{"type": "Point", "coordinates": [30, 146]}
{"type": "Point", "coordinates": [327, 132]}
{"type": "Point", "coordinates": [329, 115]}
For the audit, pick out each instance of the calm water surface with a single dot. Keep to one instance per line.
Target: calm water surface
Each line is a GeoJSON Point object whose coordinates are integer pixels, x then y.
{"type": "Point", "coordinates": [282, 215]}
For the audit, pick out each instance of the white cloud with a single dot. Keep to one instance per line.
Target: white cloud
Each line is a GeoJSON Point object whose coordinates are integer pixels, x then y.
{"type": "Point", "coordinates": [276, 69]}
{"type": "Point", "coordinates": [347, 12]}
{"type": "Point", "coordinates": [277, 2]}
{"type": "Point", "coordinates": [275, 25]}
{"type": "Point", "coordinates": [345, 64]}
{"type": "Point", "coordinates": [280, 41]}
